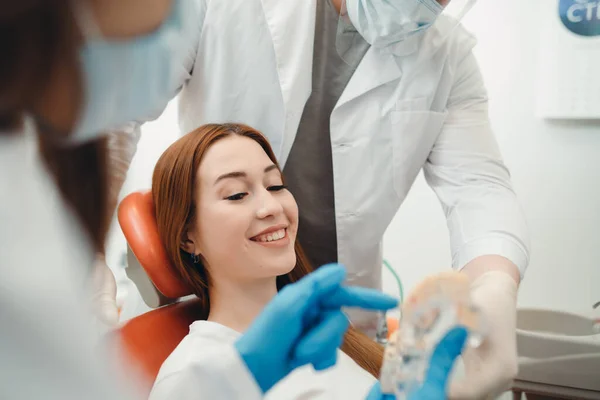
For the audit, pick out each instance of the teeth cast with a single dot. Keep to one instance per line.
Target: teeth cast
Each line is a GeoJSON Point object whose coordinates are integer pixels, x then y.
{"type": "Point", "coordinates": [270, 237]}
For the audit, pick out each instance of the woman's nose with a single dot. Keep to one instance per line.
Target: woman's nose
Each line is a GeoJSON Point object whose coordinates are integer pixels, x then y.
{"type": "Point", "coordinates": [268, 205]}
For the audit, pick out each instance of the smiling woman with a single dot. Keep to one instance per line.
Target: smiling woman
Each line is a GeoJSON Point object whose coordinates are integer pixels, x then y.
{"type": "Point", "coordinates": [229, 225]}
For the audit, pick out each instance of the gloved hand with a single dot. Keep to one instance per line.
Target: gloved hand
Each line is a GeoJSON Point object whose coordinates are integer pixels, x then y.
{"type": "Point", "coordinates": [490, 368]}
{"type": "Point", "coordinates": [440, 366]}
{"type": "Point", "coordinates": [304, 324]}
{"type": "Point", "coordinates": [104, 291]}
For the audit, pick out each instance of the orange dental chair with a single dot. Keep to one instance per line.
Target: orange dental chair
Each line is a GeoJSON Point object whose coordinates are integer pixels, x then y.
{"type": "Point", "coordinates": [151, 337]}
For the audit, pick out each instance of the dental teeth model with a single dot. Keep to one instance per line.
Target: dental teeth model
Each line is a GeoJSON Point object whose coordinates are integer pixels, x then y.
{"type": "Point", "coordinates": [439, 304]}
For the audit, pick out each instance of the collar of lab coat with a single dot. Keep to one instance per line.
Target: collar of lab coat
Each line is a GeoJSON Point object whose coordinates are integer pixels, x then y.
{"type": "Point", "coordinates": [377, 68]}
{"type": "Point", "coordinates": [292, 29]}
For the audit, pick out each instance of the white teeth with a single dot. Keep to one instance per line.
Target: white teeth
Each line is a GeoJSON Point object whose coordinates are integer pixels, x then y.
{"type": "Point", "coordinates": [280, 234]}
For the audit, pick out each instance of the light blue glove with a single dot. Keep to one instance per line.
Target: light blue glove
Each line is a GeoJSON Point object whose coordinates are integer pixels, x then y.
{"type": "Point", "coordinates": [436, 381]}
{"type": "Point", "coordinates": [304, 324]}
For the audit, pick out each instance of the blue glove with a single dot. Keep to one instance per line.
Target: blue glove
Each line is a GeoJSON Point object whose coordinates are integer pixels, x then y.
{"type": "Point", "coordinates": [436, 381]}
{"type": "Point", "coordinates": [304, 324]}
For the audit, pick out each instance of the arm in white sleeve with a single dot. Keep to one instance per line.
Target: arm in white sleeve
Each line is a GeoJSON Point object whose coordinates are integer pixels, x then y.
{"type": "Point", "coordinates": [467, 173]}
{"type": "Point", "coordinates": [219, 374]}
{"type": "Point", "coordinates": [488, 233]}
{"type": "Point", "coordinates": [48, 346]}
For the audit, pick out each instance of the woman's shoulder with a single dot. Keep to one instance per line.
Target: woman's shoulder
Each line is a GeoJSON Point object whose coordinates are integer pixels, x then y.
{"type": "Point", "coordinates": [212, 331]}
{"type": "Point", "coordinates": [205, 363]}
{"type": "Point", "coordinates": [203, 335]}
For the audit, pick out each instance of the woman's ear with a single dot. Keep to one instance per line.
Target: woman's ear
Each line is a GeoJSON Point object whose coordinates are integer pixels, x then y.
{"type": "Point", "coordinates": [187, 243]}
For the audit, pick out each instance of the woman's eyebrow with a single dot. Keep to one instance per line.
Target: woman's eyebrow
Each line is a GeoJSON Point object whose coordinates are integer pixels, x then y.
{"type": "Point", "coordinates": [241, 175]}
{"type": "Point", "coordinates": [235, 175]}
{"type": "Point", "coordinates": [271, 168]}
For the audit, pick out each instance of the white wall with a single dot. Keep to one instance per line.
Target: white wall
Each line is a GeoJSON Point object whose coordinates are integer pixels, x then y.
{"type": "Point", "coordinates": [554, 167]}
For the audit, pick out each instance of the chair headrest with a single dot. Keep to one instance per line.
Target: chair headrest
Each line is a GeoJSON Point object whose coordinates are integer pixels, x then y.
{"type": "Point", "coordinates": [138, 222]}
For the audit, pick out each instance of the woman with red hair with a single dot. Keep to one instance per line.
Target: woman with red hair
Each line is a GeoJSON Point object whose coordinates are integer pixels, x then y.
{"type": "Point", "coordinates": [229, 226]}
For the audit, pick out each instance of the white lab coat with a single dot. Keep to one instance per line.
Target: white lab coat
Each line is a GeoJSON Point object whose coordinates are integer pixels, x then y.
{"type": "Point", "coordinates": [253, 64]}
{"type": "Point", "coordinates": [48, 346]}
{"type": "Point", "coordinates": [179, 374]}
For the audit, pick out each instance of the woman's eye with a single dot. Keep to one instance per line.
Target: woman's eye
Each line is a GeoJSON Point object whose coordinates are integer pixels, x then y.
{"type": "Point", "coordinates": [236, 197]}
{"type": "Point", "coordinates": [276, 188]}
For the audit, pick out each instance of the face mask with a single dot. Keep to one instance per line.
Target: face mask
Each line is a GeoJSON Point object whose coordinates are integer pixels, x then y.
{"type": "Point", "coordinates": [129, 79]}
{"type": "Point", "coordinates": [387, 22]}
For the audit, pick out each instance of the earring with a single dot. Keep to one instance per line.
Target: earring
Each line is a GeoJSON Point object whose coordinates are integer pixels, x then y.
{"type": "Point", "coordinates": [195, 258]}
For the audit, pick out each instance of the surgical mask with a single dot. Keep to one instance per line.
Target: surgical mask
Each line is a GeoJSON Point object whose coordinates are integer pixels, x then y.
{"type": "Point", "coordinates": [387, 22]}
{"type": "Point", "coordinates": [128, 79]}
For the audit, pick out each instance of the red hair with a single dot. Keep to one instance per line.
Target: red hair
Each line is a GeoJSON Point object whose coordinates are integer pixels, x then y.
{"type": "Point", "coordinates": [173, 184]}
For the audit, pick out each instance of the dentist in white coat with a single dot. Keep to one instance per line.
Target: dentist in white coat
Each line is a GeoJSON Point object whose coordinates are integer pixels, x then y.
{"type": "Point", "coordinates": [354, 124]}
{"type": "Point", "coordinates": [354, 115]}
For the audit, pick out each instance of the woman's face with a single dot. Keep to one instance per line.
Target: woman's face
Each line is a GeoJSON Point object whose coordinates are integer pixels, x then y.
{"type": "Point", "coordinates": [245, 222]}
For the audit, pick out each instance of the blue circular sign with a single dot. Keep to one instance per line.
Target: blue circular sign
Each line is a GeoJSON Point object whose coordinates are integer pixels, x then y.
{"type": "Point", "coordinates": [582, 17]}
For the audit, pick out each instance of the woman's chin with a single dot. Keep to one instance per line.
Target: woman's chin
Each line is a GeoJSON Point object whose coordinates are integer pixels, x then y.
{"type": "Point", "coordinates": [280, 265]}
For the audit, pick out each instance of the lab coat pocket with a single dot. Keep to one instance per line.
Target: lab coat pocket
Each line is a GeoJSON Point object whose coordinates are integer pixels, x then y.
{"type": "Point", "coordinates": [413, 135]}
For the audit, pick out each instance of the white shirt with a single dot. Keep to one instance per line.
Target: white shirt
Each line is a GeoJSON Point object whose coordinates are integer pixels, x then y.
{"type": "Point", "coordinates": [179, 375]}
